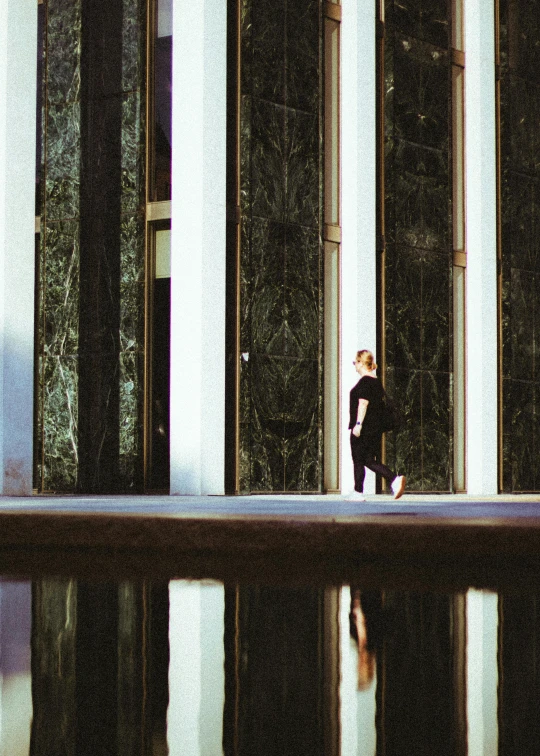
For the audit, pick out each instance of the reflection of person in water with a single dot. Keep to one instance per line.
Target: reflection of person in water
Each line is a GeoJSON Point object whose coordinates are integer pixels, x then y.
{"type": "Point", "coordinates": [365, 625]}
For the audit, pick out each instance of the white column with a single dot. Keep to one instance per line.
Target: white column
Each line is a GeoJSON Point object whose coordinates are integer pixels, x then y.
{"type": "Point", "coordinates": [196, 669]}
{"type": "Point", "coordinates": [18, 61]}
{"type": "Point", "coordinates": [359, 161]}
{"type": "Point", "coordinates": [482, 673]}
{"type": "Point", "coordinates": [481, 239]}
{"type": "Point", "coordinates": [198, 247]}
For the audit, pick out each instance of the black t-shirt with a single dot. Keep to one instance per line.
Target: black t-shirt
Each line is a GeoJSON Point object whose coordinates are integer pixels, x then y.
{"type": "Point", "coordinates": [369, 388]}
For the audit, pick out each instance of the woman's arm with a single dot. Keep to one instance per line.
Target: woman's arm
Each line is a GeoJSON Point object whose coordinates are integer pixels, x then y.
{"type": "Point", "coordinates": [360, 415]}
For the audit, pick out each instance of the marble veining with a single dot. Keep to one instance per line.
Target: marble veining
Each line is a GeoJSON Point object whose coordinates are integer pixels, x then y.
{"type": "Point", "coordinates": [418, 262]}
{"type": "Point", "coordinates": [520, 221]}
{"type": "Point", "coordinates": [91, 294]}
{"type": "Point", "coordinates": [281, 280]}
{"type": "Point", "coordinates": [425, 20]}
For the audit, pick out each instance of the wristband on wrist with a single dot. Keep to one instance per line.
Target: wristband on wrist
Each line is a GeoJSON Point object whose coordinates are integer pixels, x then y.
{"type": "Point", "coordinates": [359, 423]}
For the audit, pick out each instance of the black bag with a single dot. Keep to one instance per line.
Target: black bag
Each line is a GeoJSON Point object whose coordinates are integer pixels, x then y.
{"type": "Point", "coordinates": [391, 419]}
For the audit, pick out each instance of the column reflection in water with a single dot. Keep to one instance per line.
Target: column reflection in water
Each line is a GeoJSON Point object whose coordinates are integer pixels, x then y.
{"type": "Point", "coordinates": [15, 673]}
{"type": "Point", "coordinates": [88, 668]}
{"type": "Point", "coordinates": [482, 673]}
{"type": "Point", "coordinates": [196, 669]}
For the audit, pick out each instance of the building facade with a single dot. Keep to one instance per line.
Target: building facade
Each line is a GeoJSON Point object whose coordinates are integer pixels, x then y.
{"type": "Point", "coordinates": [206, 209]}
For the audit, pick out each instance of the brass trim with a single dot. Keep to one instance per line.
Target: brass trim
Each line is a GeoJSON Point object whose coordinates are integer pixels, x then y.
{"type": "Point", "coordinates": [332, 11]}
{"type": "Point", "coordinates": [156, 211]}
{"type": "Point", "coordinates": [332, 233]}
{"type": "Point", "coordinates": [460, 258]}
{"type": "Point", "coordinates": [458, 58]}
{"type": "Point", "coordinates": [37, 224]}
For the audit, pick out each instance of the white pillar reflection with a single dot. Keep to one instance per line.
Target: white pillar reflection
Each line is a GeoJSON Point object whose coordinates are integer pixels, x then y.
{"type": "Point", "coordinates": [196, 668]}
{"type": "Point", "coordinates": [482, 673]}
{"type": "Point", "coordinates": [358, 704]}
{"type": "Point", "coordinates": [15, 668]}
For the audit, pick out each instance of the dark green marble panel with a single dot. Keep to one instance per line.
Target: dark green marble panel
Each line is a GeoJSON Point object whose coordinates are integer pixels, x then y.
{"type": "Point", "coordinates": [303, 285]}
{"type": "Point", "coordinates": [301, 425]}
{"type": "Point", "coordinates": [246, 47]}
{"type": "Point", "coordinates": [245, 157]}
{"type": "Point", "coordinates": [389, 98]}
{"type": "Point", "coordinates": [300, 395]}
{"type": "Point", "coordinates": [132, 292]}
{"type": "Point", "coordinates": [267, 466]}
{"type": "Point", "coordinates": [523, 293]}
{"type": "Point", "coordinates": [421, 97]}
{"type": "Point", "coordinates": [422, 19]}
{"type": "Point", "coordinates": [522, 148]}
{"type": "Point", "coordinates": [302, 50]}
{"type": "Point", "coordinates": [268, 389]}
{"type": "Point", "coordinates": [404, 307]}
{"type": "Point", "coordinates": [506, 316]}
{"type": "Point", "coordinates": [436, 309]}
{"type": "Point", "coordinates": [280, 257]}
{"type": "Point", "coordinates": [245, 284]}
{"type": "Point", "coordinates": [60, 443]}
{"type": "Point", "coordinates": [520, 37]}
{"type": "Point", "coordinates": [62, 51]}
{"type": "Point", "coordinates": [131, 426]}
{"type": "Point", "coordinates": [404, 448]}
{"type": "Point", "coordinates": [61, 302]}
{"type": "Point", "coordinates": [133, 153]}
{"type": "Point", "coordinates": [268, 36]}
{"type": "Point", "coordinates": [268, 160]}
{"type": "Point", "coordinates": [62, 161]}
{"type": "Point", "coordinates": [418, 197]}
{"type": "Point", "coordinates": [303, 454]}
{"type": "Point", "coordinates": [520, 220]}
{"type": "Point", "coordinates": [266, 292]}
{"type": "Point", "coordinates": [436, 431]}
{"type": "Point", "coordinates": [244, 458]}
{"type": "Point", "coordinates": [285, 411]}
{"type": "Point", "coordinates": [520, 441]}
{"type": "Point", "coordinates": [302, 169]}
{"type": "Point", "coordinates": [133, 45]}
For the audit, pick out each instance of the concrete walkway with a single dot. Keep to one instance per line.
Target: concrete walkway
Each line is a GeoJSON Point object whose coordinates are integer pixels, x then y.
{"type": "Point", "coordinates": [443, 541]}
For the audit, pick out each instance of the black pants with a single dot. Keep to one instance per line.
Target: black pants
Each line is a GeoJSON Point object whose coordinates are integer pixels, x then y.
{"type": "Point", "coordinates": [364, 452]}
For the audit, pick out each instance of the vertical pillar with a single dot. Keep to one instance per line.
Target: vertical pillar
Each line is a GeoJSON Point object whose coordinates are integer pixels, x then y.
{"type": "Point", "coordinates": [359, 179]}
{"type": "Point", "coordinates": [197, 409]}
{"type": "Point", "coordinates": [18, 41]}
{"type": "Point", "coordinates": [481, 240]}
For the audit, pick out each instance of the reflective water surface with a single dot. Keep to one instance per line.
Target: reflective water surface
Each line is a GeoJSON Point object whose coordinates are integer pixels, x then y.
{"type": "Point", "coordinates": [201, 668]}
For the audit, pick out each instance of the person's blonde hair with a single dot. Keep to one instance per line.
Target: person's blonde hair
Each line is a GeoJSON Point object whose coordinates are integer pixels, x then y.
{"type": "Point", "coordinates": [366, 358]}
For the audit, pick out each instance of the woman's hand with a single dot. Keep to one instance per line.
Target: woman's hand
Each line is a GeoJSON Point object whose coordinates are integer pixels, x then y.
{"type": "Point", "coordinates": [357, 430]}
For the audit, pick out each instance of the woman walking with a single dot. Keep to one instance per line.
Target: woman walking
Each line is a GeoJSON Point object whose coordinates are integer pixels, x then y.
{"type": "Point", "coordinates": [366, 407]}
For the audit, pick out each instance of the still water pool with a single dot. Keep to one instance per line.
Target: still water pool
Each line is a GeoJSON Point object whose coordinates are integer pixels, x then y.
{"type": "Point", "coordinates": [202, 668]}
